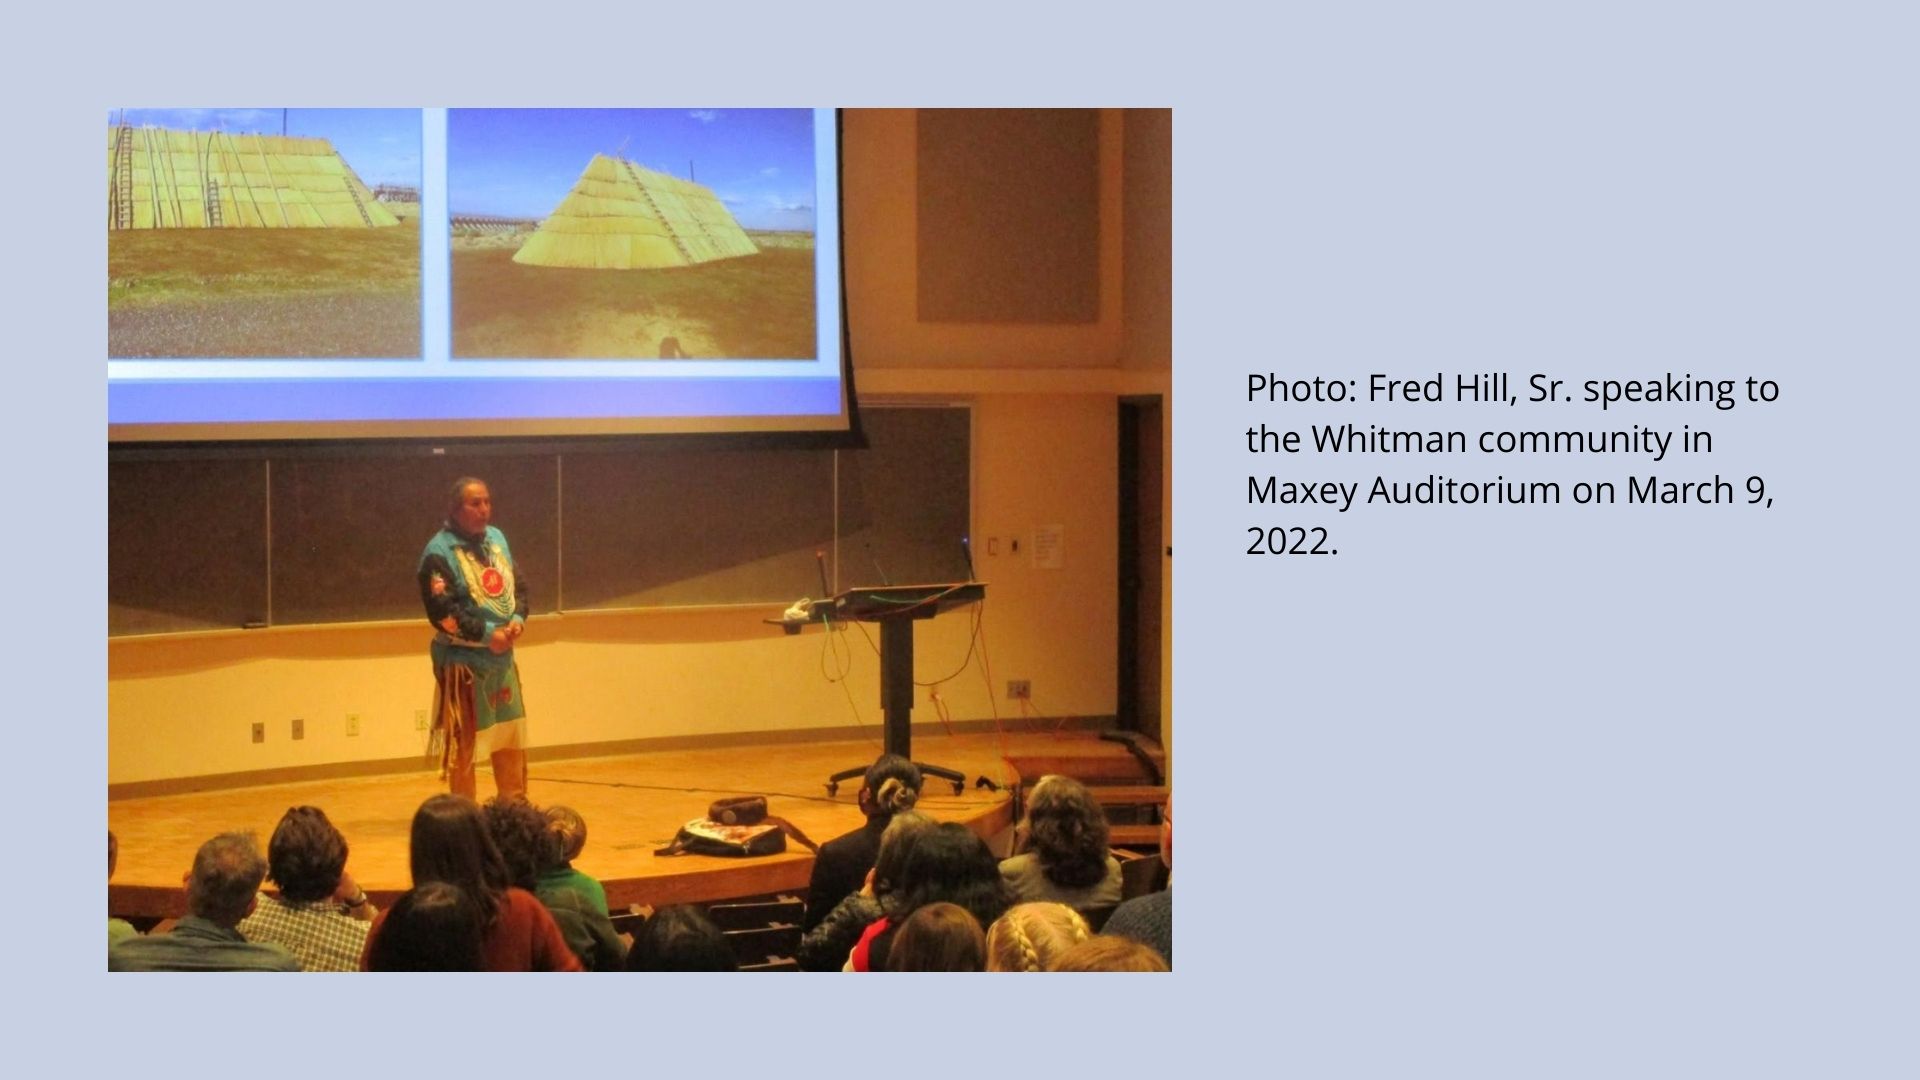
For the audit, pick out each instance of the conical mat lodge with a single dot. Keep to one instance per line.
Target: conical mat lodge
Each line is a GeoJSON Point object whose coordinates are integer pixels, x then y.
{"type": "Point", "coordinates": [623, 216]}
{"type": "Point", "coordinates": [158, 178]}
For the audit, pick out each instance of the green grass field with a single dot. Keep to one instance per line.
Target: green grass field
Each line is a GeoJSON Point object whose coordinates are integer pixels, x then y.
{"type": "Point", "coordinates": [244, 293]}
{"type": "Point", "coordinates": [758, 306]}
{"type": "Point", "coordinates": [165, 266]}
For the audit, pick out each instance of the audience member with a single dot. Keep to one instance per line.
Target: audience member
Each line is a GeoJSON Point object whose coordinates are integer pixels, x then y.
{"type": "Point", "coordinates": [1149, 919]}
{"type": "Point", "coordinates": [825, 947]}
{"type": "Point", "coordinates": [435, 926]}
{"type": "Point", "coordinates": [118, 930]}
{"type": "Point", "coordinates": [450, 843]}
{"type": "Point", "coordinates": [571, 830]}
{"type": "Point", "coordinates": [495, 890]}
{"type": "Point", "coordinates": [681, 938]}
{"type": "Point", "coordinates": [945, 863]}
{"type": "Point", "coordinates": [939, 937]}
{"type": "Point", "coordinates": [1105, 952]}
{"type": "Point", "coordinates": [1030, 936]}
{"type": "Point", "coordinates": [1064, 857]}
{"type": "Point", "coordinates": [892, 785]}
{"type": "Point", "coordinates": [221, 890]}
{"type": "Point", "coordinates": [529, 848]}
{"type": "Point", "coordinates": [320, 915]}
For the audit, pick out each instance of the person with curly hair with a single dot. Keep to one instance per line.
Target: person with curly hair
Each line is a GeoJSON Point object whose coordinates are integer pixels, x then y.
{"type": "Point", "coordinates": [891, 786]}
{"type": "Point", "coordinates": [320, 915]}
{"type": "Point", "coordinates": [450, 843]}
{"type": "Point", "coordinates": [1029, 936]}
{"type": "Point", "coordinates": [530, 848]}
{"type": "Point", "coordinates": [1064, 856]}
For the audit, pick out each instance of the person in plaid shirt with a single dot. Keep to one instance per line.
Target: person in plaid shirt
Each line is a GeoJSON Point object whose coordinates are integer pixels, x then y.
{"type": "Point", "coordinates": [321, 916]}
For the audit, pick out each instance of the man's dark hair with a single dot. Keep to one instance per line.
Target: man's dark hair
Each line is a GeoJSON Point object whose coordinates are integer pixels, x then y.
{"type": "Point", "coordinates": [432, 927]}
{"type": "Point", "coordinates": [527, 846]}
{"type": "Point", "coordinates": [306, 855]}
{"type": "Point", "coordinates": [681, 938]}
{"type": "Point", "coordinates": [227, 871]}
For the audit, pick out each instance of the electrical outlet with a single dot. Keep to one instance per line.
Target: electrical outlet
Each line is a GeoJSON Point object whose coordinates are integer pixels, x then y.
{"type": "Point", "coordinates": [1019, 690]}
{"type": "Point", "coordinates": [419, 719]}
{"type": "Point", "coordinates": [260, 732]}
{"type": "Point", "coordinates": [299, 728]}
{"type": "Point", "coordinates": [353, 724]}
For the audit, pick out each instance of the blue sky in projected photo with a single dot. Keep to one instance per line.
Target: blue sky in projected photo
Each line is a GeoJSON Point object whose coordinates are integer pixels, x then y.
{"type": "Point", "coordinates": [381, 145]}
{"type": "Point", "coordinates": [522, 162]}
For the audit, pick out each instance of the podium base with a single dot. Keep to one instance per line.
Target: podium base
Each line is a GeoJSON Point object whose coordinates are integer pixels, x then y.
{"type": "Point", "coordinates": [958, 780]}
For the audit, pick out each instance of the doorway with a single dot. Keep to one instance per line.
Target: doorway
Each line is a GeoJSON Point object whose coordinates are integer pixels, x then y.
{"type": "Point", "coordinates": [1143, 555]}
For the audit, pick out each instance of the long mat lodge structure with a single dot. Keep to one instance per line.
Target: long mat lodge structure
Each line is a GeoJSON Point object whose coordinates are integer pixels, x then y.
{"type": "Point", "coordinates": [159, 178]}
{"type": "Point", "coordinates": [622, 216]}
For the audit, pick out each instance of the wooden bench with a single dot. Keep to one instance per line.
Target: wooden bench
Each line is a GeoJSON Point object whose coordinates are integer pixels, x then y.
{"type": "Point", "coordinates": [1134, 835]}
{"type": "Point", "coordinates": [1129, 794]}
{"type": "Point", "coordinates": [762, 931]}
{"type": "Point", "coordinates": [1149, 797]}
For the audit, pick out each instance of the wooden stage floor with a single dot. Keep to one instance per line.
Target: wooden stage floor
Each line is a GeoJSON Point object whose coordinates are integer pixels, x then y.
{"type": "Point", "coordinates": [632, 804]}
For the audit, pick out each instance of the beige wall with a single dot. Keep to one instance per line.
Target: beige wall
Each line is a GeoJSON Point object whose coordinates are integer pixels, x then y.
{"type": "Point", "coordinates": [1045, 438]}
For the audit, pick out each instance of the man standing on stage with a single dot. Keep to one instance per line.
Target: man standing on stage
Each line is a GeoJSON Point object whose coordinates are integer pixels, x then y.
{"type": "Point", "coordinates": [476, 600]}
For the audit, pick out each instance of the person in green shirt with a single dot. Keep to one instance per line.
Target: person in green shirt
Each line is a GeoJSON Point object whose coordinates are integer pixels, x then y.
{"type": "Point", "coordinates": [571, 829]}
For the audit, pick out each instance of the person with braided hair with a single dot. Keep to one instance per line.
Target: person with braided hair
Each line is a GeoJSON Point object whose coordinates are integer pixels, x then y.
{"type": "Point", "coordinates": [1063, 852]}
{"type": "Point", "coordinates": [892, 785]}
{"type": "Point", "coordinates": [1030, 936]}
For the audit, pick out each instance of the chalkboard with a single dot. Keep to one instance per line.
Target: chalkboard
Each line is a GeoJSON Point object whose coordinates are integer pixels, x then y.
{"type": "Point", "coordinates": [904, 502]}
{"type": "Point", "coordinates": [678, 527]}
{"type": "Point", "coordinates": [347, 533]}
{"type": "Point", "coordinates": [186, 545]}
{"type": "Point", "coordinates": [286, 539]}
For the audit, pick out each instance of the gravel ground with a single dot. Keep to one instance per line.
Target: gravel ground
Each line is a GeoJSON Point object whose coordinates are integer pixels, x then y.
{"type": "Point", "coordinates": [372, 325]}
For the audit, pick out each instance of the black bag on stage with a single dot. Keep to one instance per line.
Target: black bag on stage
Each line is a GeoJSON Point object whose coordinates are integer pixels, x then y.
{"type": "Point", "coordinates": [704, 836]}
{"type": "Point", "coordinates": [736, 827]}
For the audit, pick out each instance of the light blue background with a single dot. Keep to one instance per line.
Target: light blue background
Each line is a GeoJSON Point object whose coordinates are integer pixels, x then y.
{"type": "Point", "coordinates": [1565, 793]}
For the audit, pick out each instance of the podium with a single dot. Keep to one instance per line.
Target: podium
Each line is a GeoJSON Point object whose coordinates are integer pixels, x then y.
{"type": "Point", "coordinates": [895, 608]}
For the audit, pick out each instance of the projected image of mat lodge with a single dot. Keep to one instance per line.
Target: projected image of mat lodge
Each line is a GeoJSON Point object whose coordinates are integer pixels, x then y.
{"type": "Point", "coordinates": [232, 244]}
{"type": "Point", "coordinates": [596, 255]}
